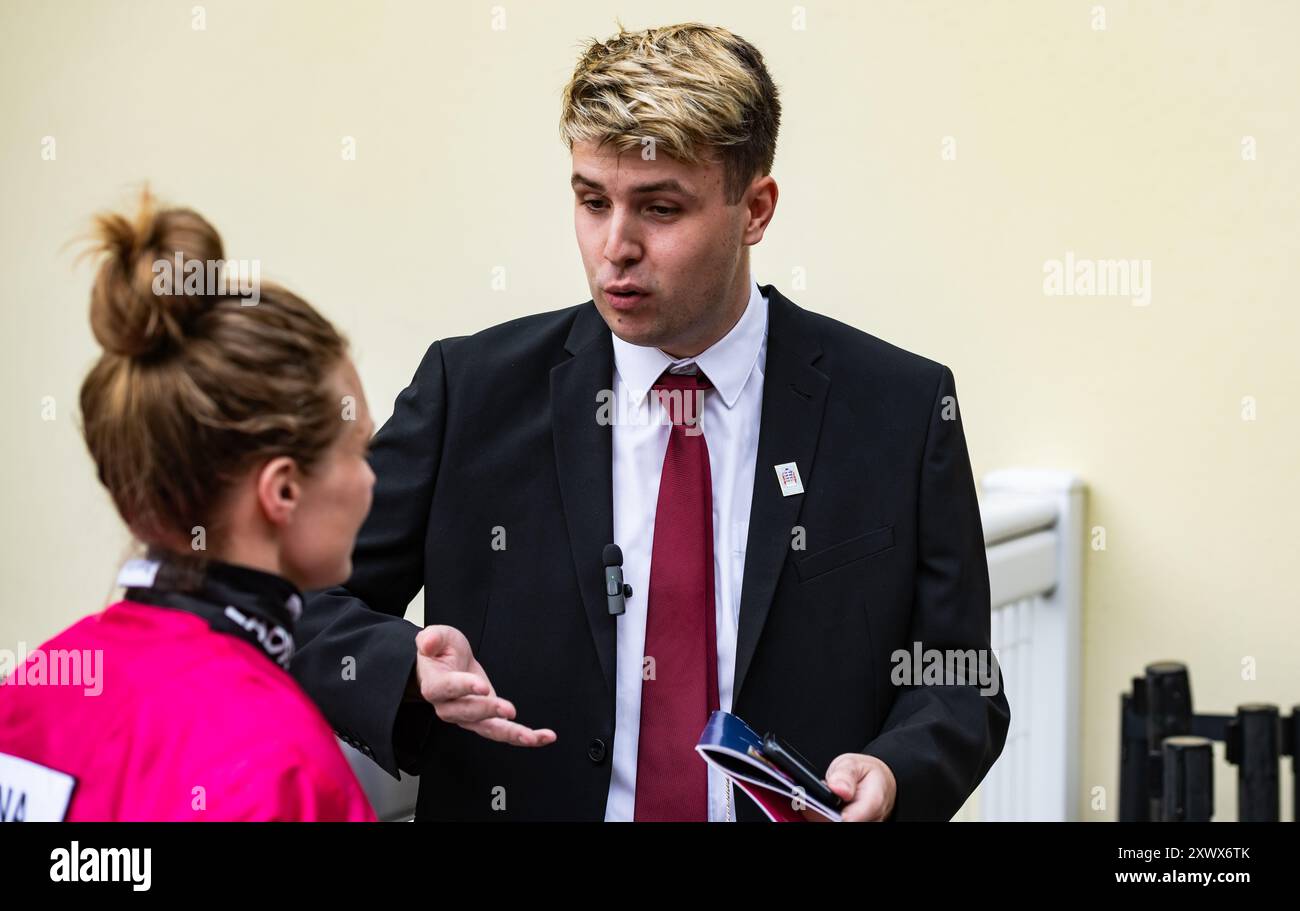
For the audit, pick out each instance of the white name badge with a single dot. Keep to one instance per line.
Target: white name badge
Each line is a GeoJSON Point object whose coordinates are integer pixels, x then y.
{"type": "Point", "coordinates": [30, 792]}
{"type": "Point", "coordinates": [787, 475]}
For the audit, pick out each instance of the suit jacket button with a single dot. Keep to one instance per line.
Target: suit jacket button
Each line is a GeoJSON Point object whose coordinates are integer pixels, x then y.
{"type": "Point", "coordinates": [596, 751]}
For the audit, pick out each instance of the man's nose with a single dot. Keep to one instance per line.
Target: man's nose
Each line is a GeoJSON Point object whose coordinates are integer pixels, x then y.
{"type": "Point", "coordinates": [623, 243]}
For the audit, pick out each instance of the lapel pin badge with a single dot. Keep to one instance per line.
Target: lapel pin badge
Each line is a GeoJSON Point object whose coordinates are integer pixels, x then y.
{"type": "Point", "coordinates": [787, 475]}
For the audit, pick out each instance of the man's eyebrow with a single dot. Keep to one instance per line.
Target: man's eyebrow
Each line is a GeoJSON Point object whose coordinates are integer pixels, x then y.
{"type": "Point", "coordinates": [671, 185]}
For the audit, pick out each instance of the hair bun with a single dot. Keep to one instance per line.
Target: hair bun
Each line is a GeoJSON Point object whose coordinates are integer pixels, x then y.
{"type": "Point", "coordinates": [138, 304]}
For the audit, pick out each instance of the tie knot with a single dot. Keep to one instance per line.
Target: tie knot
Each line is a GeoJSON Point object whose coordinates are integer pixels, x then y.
{"type": "Point", "coordinates": [681, 396]}
{"type": "Point", "coordinates": [683, 381]}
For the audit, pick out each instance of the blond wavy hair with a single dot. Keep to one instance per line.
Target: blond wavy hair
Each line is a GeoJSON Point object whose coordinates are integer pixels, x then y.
{"type": "Point", "coordinates": [698, 91]}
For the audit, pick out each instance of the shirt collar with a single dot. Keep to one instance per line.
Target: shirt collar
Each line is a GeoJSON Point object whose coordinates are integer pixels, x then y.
{"type": "Point", "coordinates": [727, 363]}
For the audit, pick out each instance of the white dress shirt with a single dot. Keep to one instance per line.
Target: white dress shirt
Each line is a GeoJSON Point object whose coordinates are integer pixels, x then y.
{"type": "Point", "coordinates": [730, 422]}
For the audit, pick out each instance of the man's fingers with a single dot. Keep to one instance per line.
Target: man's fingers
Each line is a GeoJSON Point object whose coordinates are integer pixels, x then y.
{"type": "Point", "coordinates": [441, 641]}
{"type": "Point", "coordinates": [430, 641]}
{"type": "Point", "coordinates": [842, 787]}
{"type": "Point", "coordinates": [875, 801]}
{"type": "Point", "coordinates": [471, 709]}
{"type": "Point", "coordinates": [477, 668]}
{"type": "Point", "coordinates": [844, 773]}
{"type": "Point", "coordinates": [448, 685]}
{"type": "Point", "coordinates": [509, 732]}
{"type": "Point", "coordinates": [870, 801]}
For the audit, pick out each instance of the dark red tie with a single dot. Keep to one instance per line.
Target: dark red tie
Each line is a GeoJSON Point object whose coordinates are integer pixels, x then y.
{"type": "Point", "coordinates": [671, 779]}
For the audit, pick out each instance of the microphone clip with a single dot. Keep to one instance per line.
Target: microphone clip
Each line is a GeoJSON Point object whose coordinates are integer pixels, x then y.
{"type": "Point", "coordinates": [616, 590]}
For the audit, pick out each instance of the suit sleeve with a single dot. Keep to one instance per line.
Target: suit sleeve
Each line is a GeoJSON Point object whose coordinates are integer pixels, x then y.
{"type": "Point", "coordinates": [355, 651]}
{"type": "Point", "coordinates": [939, 741]}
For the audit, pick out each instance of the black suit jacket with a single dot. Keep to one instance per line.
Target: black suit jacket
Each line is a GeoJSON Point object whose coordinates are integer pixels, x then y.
{"type": "Point", "coordinates": [497, 433]}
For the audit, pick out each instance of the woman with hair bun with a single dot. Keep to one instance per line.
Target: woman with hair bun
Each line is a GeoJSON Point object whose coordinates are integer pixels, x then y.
{"type": "Point", "coordinates": [233, 441]}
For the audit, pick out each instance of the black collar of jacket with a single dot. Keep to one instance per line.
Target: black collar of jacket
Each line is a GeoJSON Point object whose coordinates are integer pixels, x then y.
{"type": "Point", "coordinates": [241, 601]}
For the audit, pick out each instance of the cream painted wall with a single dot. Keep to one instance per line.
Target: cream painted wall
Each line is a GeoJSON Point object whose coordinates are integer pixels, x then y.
{"type": "Point", "coordinates": [1117, 143]}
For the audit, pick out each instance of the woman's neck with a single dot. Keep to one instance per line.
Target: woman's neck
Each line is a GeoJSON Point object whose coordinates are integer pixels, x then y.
{"type": "Point", "coordinates": [239, 550]}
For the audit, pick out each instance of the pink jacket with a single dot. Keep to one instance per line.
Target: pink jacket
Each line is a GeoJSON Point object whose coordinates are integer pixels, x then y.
{"type": "Point", "coordinates": [183, 723]}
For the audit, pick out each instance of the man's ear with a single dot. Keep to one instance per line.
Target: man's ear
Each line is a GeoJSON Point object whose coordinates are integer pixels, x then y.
{"type": "Point", "coordinates": [279, 490]}
{"type": "Point", "coordinates": [760, 206]}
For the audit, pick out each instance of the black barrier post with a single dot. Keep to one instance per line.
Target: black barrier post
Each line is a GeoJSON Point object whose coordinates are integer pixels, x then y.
{"type": "Point", "coordinates": [1253, 744]}
{"type": "Point", "coordinates": [1291, 737]}
{"type": "Point", "coordinates": [1187, 792]}
{"type": "Point", "coordinates": [1169, 713]}
{"type": "Point", "coordinates": [1133, 801]}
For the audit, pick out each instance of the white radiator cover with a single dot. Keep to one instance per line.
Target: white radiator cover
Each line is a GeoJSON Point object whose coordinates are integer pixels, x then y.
{"type": "Point", "coordinates": [1034, 531]}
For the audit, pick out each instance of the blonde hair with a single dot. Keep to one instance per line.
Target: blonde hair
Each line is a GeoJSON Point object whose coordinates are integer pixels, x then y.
{"type": "Point", "coordinates": [698, 91]}
{"type": "Point", "coordinates": [191, 389]}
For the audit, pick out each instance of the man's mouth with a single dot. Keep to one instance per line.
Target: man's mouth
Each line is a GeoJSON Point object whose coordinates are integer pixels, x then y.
{"type": "Point", "coordinates": [625, 297]}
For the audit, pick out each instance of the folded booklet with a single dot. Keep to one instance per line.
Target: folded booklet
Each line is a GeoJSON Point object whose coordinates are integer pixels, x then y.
{"type": "Point", "coordinates": [731, 747]}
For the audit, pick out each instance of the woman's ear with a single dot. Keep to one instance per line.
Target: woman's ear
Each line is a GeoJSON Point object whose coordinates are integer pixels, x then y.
{"type": "Point", "coordinates": [279, 490]}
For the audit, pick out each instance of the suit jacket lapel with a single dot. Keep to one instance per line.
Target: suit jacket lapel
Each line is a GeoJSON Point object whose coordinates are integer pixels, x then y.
{"type": "Point", "coordinates": [584, 463]}
{"type": "Point", "coordinates": [794, 397]}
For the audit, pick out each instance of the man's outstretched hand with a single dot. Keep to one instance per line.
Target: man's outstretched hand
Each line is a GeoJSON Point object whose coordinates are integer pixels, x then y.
{"type": "Point", "coordinates": [448, 677]}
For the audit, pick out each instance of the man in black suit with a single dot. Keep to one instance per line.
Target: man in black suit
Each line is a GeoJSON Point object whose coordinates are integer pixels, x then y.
{"type": "Point", "coordinates": [793, 498]}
